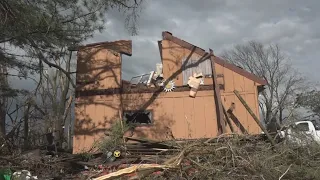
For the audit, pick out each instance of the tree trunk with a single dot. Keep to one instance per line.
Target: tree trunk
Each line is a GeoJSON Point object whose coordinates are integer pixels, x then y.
{"type": "Point", "coordinates": [268, 115]}
{"type": "Point", "coordinates": [63, 105]}
{"type": "Point", "coordinates": [26, 126]}
{"type": "Point", "coordinates": [281, 115]}
{"type": "Point", "coordinates": [2, 118]}
{"type": "Point", "coordinates": [3, 87]}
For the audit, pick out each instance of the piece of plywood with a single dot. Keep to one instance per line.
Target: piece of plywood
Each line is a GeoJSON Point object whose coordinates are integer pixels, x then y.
{"type": "Point", "coordinates": [179, 130]}
{"type": "Point", "coordinates": [200, 121]}
{"type": "Point", "coordinates": [229, 81]}
{"type": "Point", "coordinates": [210, 117]}
{"type": "Point", "coordinates": [189, 117]}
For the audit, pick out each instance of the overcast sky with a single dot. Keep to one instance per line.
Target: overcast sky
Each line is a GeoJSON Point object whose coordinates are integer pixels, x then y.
{"type": "Point", "coordinates": [220, 24]}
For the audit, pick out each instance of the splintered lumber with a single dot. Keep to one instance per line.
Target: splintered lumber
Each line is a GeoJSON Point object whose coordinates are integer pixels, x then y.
{"type": "Point", "coordinates": [254, 116]}
{"type": "Point", "coordinates": [149, 147]}
{"type": "Point", "coordinates": [145, 169]}
{"type": "Point", "coordinates": [146, 141]}
{"type": "Point", "coordinates": [151, 143]}
{"type": "Point", "coordinates": [141, 140]}
{"type": "Point", "coordinates": [134, 169]}
{"type": "Point", "coordinates": [110, 164]}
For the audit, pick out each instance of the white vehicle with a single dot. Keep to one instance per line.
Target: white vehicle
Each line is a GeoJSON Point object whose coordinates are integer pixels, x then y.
{"type": "Point", "coordinates": [302, 132]}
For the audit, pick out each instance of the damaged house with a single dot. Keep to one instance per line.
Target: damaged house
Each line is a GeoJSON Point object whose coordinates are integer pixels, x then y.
{"type": "Point", "coordinates": [185, 97]}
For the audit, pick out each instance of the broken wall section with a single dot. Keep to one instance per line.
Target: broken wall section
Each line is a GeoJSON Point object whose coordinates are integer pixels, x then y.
{"type": "Point", "coordinates": [99, 65]}
{"type": "Point", "coordinates": [98, 69]}
{"type": "Point", "coordinates": [175, 52]}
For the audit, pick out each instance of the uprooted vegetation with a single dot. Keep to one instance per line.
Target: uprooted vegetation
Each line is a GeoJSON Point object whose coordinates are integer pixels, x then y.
{"type": "Point", "coordinates": [114, 137]}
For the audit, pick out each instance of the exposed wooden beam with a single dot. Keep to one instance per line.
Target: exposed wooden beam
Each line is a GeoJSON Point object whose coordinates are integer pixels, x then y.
{"type": "Point", "coordinates": [217, 97]}
{"type": "Point", "coordinates": [254, 116]}
{"type": "Point", "coordinates": [227, 119]}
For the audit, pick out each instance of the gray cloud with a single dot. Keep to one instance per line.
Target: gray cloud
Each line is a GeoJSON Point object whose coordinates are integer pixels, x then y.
{"type": "Point", "coordinates": [293, 24]}
{"type": "Point", "coordinates": [219, 25]}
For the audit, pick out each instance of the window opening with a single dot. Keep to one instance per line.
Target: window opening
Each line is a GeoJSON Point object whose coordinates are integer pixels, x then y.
{"type": "Point", "coordinates": [302, 127]}
{"type": "Point", "coordinates": [138, 117]}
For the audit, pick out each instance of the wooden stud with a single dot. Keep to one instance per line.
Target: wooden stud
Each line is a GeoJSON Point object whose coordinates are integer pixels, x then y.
{"type": "Point", "coordinates": [254, 116]}
{"type": "Point", "coordinates": [227, 119]}
{"type": "Point", "coordinates": [217, 97]}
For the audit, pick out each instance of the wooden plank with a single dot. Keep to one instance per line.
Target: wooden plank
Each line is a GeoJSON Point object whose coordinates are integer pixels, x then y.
{"type": "Point", "coordinates": [180, 129]}
{"type": "Point", "coordinates": [210, 117]}
{"type": "Point", "coordinates": [237, 122]}
{"type": "Point", "coordinates": [142, 140]}
{"type": "Point", "coordinates": [199, 113]}
{"type": "Point", "coordinates": [189, 117]}
{"type": "Point", "coordinates": [227, 119]}
{"type": "Point", "coordinates": [152, 150]}
{"type": "Point", "coordinates": [254, 116]}
{"type": "Point", "coordinates": [219, 110]}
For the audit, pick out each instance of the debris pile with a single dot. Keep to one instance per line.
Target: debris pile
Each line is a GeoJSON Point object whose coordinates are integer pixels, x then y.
{"type": "Point", "coordinates": [232, 157]}
{"type": "Point", "coordinates": [225, 157]}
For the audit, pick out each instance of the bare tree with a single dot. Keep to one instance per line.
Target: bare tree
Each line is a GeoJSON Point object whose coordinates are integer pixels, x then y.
{"type": "Point", "coordinates": [31, 32]}
{"type": "Point", "coordinates": [269, 63]}
{"type": "Point", "coordinates": [311, 101]}
{"type": "Point", "coordinates": [19, 112]}
{"type": "Point", "coordinates": [32, 115]}
{"type": "Point", "coordinates": [55, 94]}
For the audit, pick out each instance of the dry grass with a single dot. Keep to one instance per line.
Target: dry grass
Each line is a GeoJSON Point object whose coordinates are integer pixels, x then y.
{"type": "Point", "coordinates": [114, 137]}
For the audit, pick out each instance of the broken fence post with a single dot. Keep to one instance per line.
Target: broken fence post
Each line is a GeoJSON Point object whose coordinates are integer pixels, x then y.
{"type": "Point", "coordinates": [254, 116]}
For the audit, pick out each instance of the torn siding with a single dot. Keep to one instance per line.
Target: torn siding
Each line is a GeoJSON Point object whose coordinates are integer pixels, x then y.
{"type": "Point", "coordinates": [203, 67]}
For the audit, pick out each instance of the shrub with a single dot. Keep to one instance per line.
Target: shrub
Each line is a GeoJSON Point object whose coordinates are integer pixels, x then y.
{"type": "Point", "coordinates": [114, 139]}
